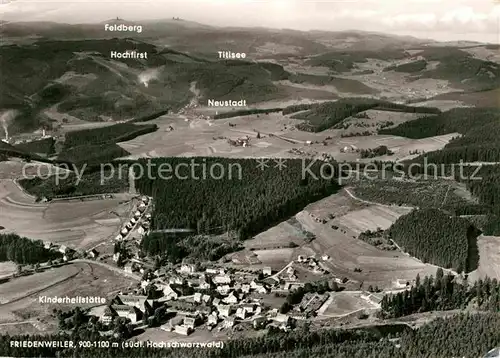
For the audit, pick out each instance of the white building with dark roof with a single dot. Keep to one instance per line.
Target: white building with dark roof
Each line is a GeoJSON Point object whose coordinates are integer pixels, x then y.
{"type": "Point", "coordinates": [213, 319]}
{"type": "Point", "coordinates": [241, 313]}
{"type": "Point", "coordinates": [222, 279]}
{"type": "Point", "coordinates": [130, 312]}
{"type": "Point", "coordinates": [225, 310]}
{"type": "Point", "coordinates": [170, 293]}
{"type": "Point", "coordinates": [183, 330]}
{"type": "Point", "coordinates": [231, 298]}
{"type": "Point", "coordinates": [197, 297]}
{"type": "Point", "coordinates": [133, 300]}
{"type": "Point", "coordinates": [108, 315]}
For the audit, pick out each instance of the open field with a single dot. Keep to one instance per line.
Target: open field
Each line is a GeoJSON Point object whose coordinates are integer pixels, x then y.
{"type": "Point", "coordinates": [78, 279]}
{"type": "Point", "coordinates": [275, 256]}
{"type": "Point", "coordinates": [7, 269]}
{"type": "Point", "coordinates": [484, 53]}
{"type": "Point", "coordinates": [209, 138]}
{"type": "Point", "coordinates": [489, 258]}
{"type": "Point", "coordinates": [392, 85]}
{"type": "Point", "coordinates": [29, 285]}
{"type": "Point", "coordinates": [278, 236]}
{"type": "Point", "coordinates": [201, 334]}
{"type": "Point", "coordinates": [333, 206]}
{"type": "Point", "coordinates": [79, 225]}
{"type": "Point", "coordinates": [443, 104]}
{"type": "Point", "coordinates": [478, 99]}
{"type": "Point", "coordinates": [397, 85]}
{"type": "Point", "coordinates": [379, 267]}
{"type": "Point", "coordinates": [278, 136]}
{"type": "Point", "coordinates": [343, 303]}
{"type": "Point", "coordinates": [403, 146]}
{"type": "Point", "coordinates": [371, 218]}
{"type": "Point", "coordinates": [16, 168]}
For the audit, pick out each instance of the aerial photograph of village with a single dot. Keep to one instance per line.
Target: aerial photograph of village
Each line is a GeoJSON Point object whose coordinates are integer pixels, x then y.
{"type": "Point", "coordinates": [251, 179]}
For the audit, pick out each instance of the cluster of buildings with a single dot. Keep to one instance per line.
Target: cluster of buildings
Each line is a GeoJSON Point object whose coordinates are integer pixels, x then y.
{"type": "Point", "coordinates": [210, 298]}
{"type": "Point", "coordinates": [240, 142]}
{"type": "Point", "coordinates": [139, 218]}
{"type": "Point", "coordinates": [189, 109]}
{"type": "Point", "coordinates": [313, 264]}
{"type": "Point", "coordinates": [68, 253]}
{"type": "Point", "coordinates": [132, 307]}
{"type": "Point", "coordinates": [26, 138]}
{"type": "Point", "coordinates": [311, 302]}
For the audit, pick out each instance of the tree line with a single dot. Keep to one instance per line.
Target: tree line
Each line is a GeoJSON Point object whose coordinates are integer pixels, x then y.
{"type": "Point", "coordinates": [326, 115]}
{"type": "Point", "coordinates": [115, 133]}
{"type": "Point", "coordinates": [441, 293]}
{"type": "Point", "coordinates": [479, 129]}
{"type": "Point", "coordinates": [247, 200]}
{"type": "Point", "coordinates": [246, 112]}
{"type": "Point", "coordinates": [376, 152]}
{"type": "Point", "coordinates": [175, 248]}
{"type": "Point", "coordinates": [437, 238]}
{"type": "Point", "coordinates": [479, 142]}
{"type": "Point", "coordinates": [22, 250]}
{"type": "Point", "coordinates": [91, 183]}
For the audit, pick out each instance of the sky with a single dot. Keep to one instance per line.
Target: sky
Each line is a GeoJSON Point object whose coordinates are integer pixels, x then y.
{"type": "Point", "coordinates": [443, 20]}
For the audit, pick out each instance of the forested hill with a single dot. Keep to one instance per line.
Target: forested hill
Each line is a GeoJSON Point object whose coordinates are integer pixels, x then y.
{"type": "Point", "coordinates": [479, 142]}
{"type": "Point", "coordinates": [82, 80]}
{"type": "Point", "coordinates": [480, 129]}
{"type": "Point", "coordinates": [246, 199]}
{"type": "Point", "coordinates": [460, 68]}
{"type": "Point", "coordinates": [437, 238]}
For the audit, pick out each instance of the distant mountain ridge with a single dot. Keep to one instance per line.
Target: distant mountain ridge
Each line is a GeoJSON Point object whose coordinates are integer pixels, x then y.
{"type": "Point", "coordinates": [80, 79]}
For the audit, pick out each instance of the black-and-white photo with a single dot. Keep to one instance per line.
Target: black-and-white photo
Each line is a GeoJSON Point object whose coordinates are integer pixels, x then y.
{"type": "Point", "coordinates": [250, 178]}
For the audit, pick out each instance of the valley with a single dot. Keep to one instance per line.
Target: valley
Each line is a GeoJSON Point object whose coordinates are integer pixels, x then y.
{"type": "Point", "coordinates": [246, 186]}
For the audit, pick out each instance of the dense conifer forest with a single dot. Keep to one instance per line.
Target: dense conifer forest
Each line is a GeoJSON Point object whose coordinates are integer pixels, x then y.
{"type": "Point", "coordinates": [479, 142]}
{"type": "Point", "coordinates": [111, 134]}
{"type": "Point", "coordinates": [92, 155]}
{"type": "Point", "coordinates": [7, 150]}
{"type": "Point", "coordinates": [98, 145]}
{"type": "Point", "coordinates": [441, 293]}
{"type": "Point", "coordinates": [22, 250]}
{"type": "Point", "coordinates": [479, 129]}
{"type": "Point", "coordinates": [410, 67]}
{"type": "Point", "coordinates": [326, 115]}
{"type": "Point", "coordinates": [68, 185]}
{"type": "Point", "coordinates": [245, 199]}
{"type": "Point", "coordinates": [174, 248]}
{"type": "Point", "coordinates": [437, 238]}
{"type": "Point", "coordinates": [42, 146]}
{"type": "Point", "coordinates": [246, 112]}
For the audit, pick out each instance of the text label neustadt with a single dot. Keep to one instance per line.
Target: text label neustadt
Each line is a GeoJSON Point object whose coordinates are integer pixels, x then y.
{"type": "Point", "coordinates": [240, 103]}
